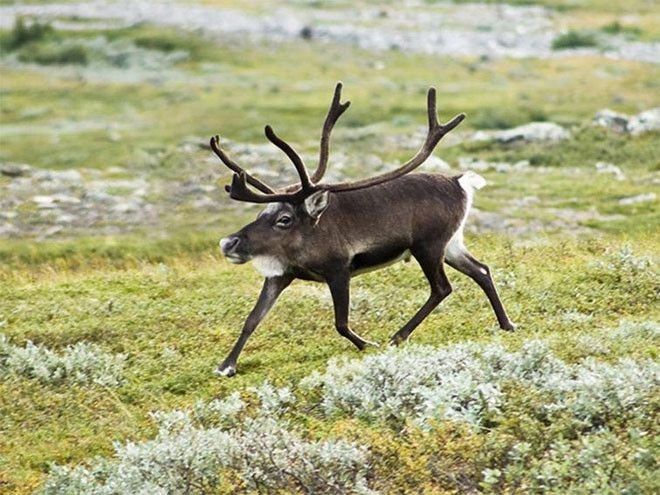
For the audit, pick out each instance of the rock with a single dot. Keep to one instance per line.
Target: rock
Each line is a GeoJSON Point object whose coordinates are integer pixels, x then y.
{"type": "Point", "coordinates": [128, 206]}
{"type": "Point", "coordinates": [610, 168]}
{"type": "Point", "coordinates": [640, 198]}
{"type": "Point", "coordinates": [8, 215]}
{"type": "Point", "coordinates": [8, 230]}
{"type": "Point", "coordinates": [15, 169]}
{"type": "Point", "coordinates": [469, 163]}
{"type": "Point", "coordinates": [69, 176]}
{"type": "Point", "coordinates": [204, 203]}
{"type": "Point", "coordinates": [99, 197]}
{"type": "Point", "coordinates": [533, 132]}
{"type": "Point", "coordinates": [435, 164]}
{"type": "Point", "coordinates": [65, 218]}
{"type": "Point", "coordinates": [196, 188]}
{"type": "Point", "coordinates": [51, 201]}
{"type": "Point", "coordinates": [44, 201]}
{"type": "Point", "coordinates": [612, 120]}
{"type": "Point", "coordinates": [644, 122]}
{"type": "Point", "coordinates": [51, 231]}
{"type": "Point", "coordinates": [528, 133]}
{"type": "Point", "coordinates": [525, 201]}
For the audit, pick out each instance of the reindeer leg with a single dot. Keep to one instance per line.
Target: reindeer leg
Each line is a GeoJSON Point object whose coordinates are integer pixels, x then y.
{"type": "Point", "coordinates": [461, 260]}
{"type": "Point", "coordinates": [430, 258]}
{"type": "Point", "coordinates": [339, 285]}
{"type": "Point", "coordinates": [272, 288]}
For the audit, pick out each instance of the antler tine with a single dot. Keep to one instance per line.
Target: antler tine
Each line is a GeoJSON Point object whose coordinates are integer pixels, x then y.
{"type": "Point", "coordinates": [232, 165]}
{"type": "Point", "coordinates": [293, 156]}
{"type": "Point", "coordinates": [435, 133]}
{"type": "Point", "coordinates": [334, 112]}
{"type": "Point", "coordinates": [239, 191]}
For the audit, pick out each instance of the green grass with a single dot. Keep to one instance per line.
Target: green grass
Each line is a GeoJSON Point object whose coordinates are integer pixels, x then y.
{"type": "Point", "coordinates": [194, 303]}
{"type": "Point", "coordinates": [616, 27]}
{"type": "Point", "coordinates": [496, 94]}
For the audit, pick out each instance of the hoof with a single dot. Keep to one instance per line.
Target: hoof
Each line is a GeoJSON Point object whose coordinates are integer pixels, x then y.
{"type": "Point", "coordinates": [396, 341]}
{"type": "Point", "coordinates": [227, 371]}
{"type": "Point", "coordinates": [509, 327]}
{"type": "Point", "coordinates": [366, 344]}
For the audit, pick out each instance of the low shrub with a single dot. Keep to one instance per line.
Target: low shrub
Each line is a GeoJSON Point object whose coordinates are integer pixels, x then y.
{"type": "Point", "coordinates": [55, 54]}
{"type": "Point", "coordinates": [574, 39]}
{"type": "Point", "coordinates": [82, 363]}
{"type": "Point", "coordinates": [209, 447]}
{"type": "Point", "coordinates": [467, 418]}
{"type": "Point", "coordinates": [25, 32]}
{"type": "Point", "coordinates": [615, 27]}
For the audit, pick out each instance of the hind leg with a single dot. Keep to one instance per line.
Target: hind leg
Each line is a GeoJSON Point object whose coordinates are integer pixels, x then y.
{"type": "Point", "coordinates": [430, 260]}
{"type": "Point", "coordinates": [458, 257]}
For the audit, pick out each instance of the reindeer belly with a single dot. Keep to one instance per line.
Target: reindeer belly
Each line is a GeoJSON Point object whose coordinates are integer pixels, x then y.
{"type": "Point", "coordinates": [377, 258]}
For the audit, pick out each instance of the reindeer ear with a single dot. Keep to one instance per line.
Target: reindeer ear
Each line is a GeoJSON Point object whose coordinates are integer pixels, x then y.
{"type": "Point", "coordinates": [316, 203]}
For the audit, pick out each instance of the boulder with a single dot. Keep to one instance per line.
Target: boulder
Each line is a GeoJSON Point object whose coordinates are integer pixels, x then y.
{"type": "Point", "coordinates": [644, 122]}
{"type": "Point", "coordinates": [533, 132]}
{"type": "Point", "coordinates": [610, 168]}
{"type": "Point", "coordinates": [529, 133]}
{"type": "Point", "coordinates": [612, 120]}
{"type": "Point", "coordinates": [15, 169]}
{"type": "Point", "coordinates": [640, 198]}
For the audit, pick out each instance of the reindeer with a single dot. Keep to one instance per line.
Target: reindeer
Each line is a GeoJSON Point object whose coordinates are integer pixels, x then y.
{"type": "Point", "coordinates": [332, 232]}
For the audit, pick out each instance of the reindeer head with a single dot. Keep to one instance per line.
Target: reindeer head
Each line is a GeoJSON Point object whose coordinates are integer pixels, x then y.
{"type": "Point", "coordinates": [295, 211]}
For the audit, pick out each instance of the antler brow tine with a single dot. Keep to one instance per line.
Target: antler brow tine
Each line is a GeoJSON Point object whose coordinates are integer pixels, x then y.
{"type": "Point", "coordinates": [233, 166]}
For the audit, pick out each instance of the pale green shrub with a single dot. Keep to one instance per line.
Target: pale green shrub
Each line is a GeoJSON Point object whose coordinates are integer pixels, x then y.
{"type": "Point", "coordinates": [82, 363]}
{"type": "Point", "coordinates": [193, 448]}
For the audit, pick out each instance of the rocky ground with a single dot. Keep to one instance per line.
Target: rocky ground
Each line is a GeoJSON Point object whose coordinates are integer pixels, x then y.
{"type": "Point", "coordinates": [472, 29]}
{"type": "Point", "coordinates": [63, 203]}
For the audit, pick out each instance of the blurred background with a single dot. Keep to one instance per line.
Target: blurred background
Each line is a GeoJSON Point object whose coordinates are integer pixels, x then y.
{"type": "Point", "coordinates": [107, 106]}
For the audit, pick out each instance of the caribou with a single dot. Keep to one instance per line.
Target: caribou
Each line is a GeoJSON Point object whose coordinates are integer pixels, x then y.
{"type": "Point", "coordinates": [329, 233]}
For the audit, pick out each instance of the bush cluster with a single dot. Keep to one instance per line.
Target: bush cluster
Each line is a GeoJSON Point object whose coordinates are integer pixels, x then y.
{"type": "Point", "coordinates": [211, 449]}
{"type": "Point", "coordinates": [469, 418]}
{"type": "Point", "coordinates": [81, 363]}
{"type": "Point", "coordinates": [575, 39]}
{"type": "Point", "coordinates": [474, 384]}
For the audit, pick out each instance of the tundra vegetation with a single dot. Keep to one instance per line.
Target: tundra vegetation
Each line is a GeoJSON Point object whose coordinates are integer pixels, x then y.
{"type": "Point", "coordinates": [116, 303]}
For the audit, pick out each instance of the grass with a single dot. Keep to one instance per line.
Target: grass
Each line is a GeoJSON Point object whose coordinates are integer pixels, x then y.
{"type": "Point", "coordinates": [193, 303]}
{"type": "Point", "coordinates": [547, 89]}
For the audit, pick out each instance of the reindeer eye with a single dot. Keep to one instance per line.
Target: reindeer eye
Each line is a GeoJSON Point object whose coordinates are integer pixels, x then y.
{"type": "Point", "coordinates": [284, 221]}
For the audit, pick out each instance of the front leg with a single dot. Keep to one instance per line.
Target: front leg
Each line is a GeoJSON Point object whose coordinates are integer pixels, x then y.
{"type": "Point", "coordinates": [272, 288]}
{"type": "Point", "coordinates": [339, 284]}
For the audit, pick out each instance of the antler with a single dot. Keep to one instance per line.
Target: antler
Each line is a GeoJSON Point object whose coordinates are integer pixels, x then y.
{"type": "Point", "coordinates": [435, 133]}
{"type": "Point", "coordinates": [334, 112]}
{"type": "Point", "coordinates": [297, 193]}
{"type": "Point", "coordinates": [215, 146]}
{"type": "Point", "coordinates": [240, 192]}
